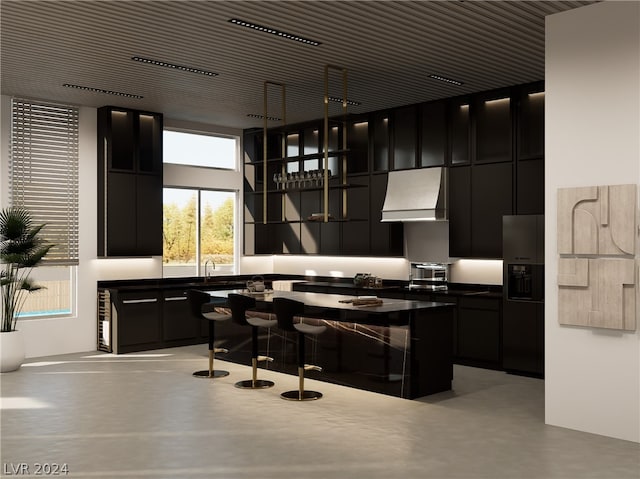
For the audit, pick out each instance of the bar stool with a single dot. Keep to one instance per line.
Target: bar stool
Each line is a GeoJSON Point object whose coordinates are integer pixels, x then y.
{"type": "Point", "coordinates": [197, 299]}
{"type": "Point", "coordinates": [286, 310]}
{"type": "Point", "coordinates": [241, 314]}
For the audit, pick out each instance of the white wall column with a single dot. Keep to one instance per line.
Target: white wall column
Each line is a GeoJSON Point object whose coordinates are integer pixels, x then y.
{"type": "Point", "coordinates": [592, 138]}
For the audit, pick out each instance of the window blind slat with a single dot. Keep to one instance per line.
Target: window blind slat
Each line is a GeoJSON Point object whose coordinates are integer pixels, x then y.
{"type": "Point", "coordinates": [44, 172]}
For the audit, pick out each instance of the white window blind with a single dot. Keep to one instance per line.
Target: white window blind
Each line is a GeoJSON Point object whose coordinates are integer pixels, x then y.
{"type": "Point", "coordinates": [44, 172]}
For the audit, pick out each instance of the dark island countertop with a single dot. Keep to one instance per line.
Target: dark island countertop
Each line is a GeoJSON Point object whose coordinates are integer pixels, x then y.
{"type": "Point", "coordinates": [325, 301]}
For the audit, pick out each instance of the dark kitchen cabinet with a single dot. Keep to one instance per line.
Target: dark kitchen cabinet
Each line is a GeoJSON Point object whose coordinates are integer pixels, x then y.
{"type": "Point", "coordinates": [129, 182]}
{"type": "Point", "coordinates": [138, 316]}
{"type": "Point", "coordinates": [493, 129]}
{"type": "Point", "coordinates": [460, 131]}
{"type": "Point", "coordinates": [479, 332]}
{"type": "Point", "coordinates": [358, 146]}
{"type": "Point", "coordinates": [386, 238]}
{"type": "Point", "coordinates": [433, 133]}
{"type": "Point", "coordinates": [460, 212]}
{"type": "Point", "coordinates": [523, 240]}
{"type": "Point", "coordinates": [530, 187]}
{"type": "Point", "coordinates": [479, 196]}
{"type": "Point", "coordinates": [405, 137]}
{"type": "Point", "coordinates": [491, 199]}
{"type": "Point", "coordinates": [355, 233]}
{"type": "Point", "coordinates": [330, 238]}
{"type": "Point", "coordinates": [491, 142]}
{"type": "Point", "coordinates": [523, 337]}
{"type": "Point", "coordinates": [530, 129]}
{"type": "Point", "coordinates": [266, 239]}
{"type": "Point", "coordinates": [380, 141]}
{"type": "Point", "coordinates": [177, 320]}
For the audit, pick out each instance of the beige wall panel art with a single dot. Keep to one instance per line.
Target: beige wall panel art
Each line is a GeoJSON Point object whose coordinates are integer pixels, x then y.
{"type": "Point", "coordinates": [597, 220]}
{"type": "Point", "coordinates": [597, 292]}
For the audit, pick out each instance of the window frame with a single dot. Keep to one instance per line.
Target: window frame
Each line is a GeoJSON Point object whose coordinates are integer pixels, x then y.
{"type": "Point", "coordinates": [199, 269]}
{"type": "Point", "coordinates": [235, 139]}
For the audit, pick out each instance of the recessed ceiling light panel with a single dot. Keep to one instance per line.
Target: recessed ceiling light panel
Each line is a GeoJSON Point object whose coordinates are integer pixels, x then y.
{"type": "Point", "coordinates": [446, 80]}
{"type": "Point", "coordinates": [271, 118]}
{"type": "Point", "coordinates": [273, 31]}
{"type": "Point", "coordinates": [183, 68]}
{"type": "Point", "coordinates": [339, 100]}
{"type": "Point", "coordinates": [106, 92]}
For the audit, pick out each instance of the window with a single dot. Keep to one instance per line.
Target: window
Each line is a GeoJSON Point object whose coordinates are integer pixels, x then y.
{"type": "Point", "coordinates": [199, 150]}
{"type": "Point", "coordinates": [198, 232]}
{"type": "Point", "coordinates": [43, 177]}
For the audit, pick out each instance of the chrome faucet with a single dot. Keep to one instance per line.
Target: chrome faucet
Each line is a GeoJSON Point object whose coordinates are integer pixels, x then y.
{"type": "Point", "coordinates": [205, 267]}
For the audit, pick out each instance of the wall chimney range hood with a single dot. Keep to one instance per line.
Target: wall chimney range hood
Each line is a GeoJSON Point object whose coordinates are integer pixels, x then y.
{"type": "Point", "coordinates": [416, 195]}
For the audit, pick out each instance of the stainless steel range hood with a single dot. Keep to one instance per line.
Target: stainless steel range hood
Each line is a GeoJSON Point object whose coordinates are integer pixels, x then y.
{"type": "Point", "coordinates": [416, 195]}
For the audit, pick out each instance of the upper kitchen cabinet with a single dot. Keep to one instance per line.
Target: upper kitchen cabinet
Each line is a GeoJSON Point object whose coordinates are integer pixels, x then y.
{"type": "Point", "coordinates": [478, 198]}
{"type": "Point", "coordinates": [405, 137]}
{"type": "Point", "coordinates": [380, 141]}
{"type": "Point", "coordinates": [130, 140]}
{"type": "Point", "coordinates": [460, 212]}
{"type": "Point", "coordinates": [493, 127]}
{"type": "Point", "coordinates": [433, 133]}
{"type": "Point", "coordinates": [530, 187]}
{"type": "Point", "coordinates": [387, 239]}
{"type": "Point", "coordinates": [491, 199]}
{"type": "Point", "coordinates": [358, 146]}
{"type": "Point", "coordinates": [460, 131]}
{"type": "Point", "coordinates": [530, 136]}
{"type": "Point", "coordinates": [129, 182]}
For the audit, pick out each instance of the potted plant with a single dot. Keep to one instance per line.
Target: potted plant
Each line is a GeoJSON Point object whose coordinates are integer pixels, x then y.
{"type": "Point", "coordinates": [20, 250]}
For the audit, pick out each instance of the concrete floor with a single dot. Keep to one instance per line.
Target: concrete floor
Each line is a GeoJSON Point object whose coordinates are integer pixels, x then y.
{"type": "Point", "coordinates": [145, 416]}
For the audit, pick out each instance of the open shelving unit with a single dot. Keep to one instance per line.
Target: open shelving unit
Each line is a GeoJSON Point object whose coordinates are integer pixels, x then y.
{"type": "Point", "coordinates": [329, 181]}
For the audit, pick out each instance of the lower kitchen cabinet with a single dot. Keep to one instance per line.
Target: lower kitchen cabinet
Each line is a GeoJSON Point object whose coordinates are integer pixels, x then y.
{"type": "Point", "coordinates": [440, 298]}
{"type": "Point", "coordinates": [137, 320]}
{"type": "Point", "coordinates": [131, 320]}
{"type": "Point", "coordinates": [523, 337]}
{"type": "Point", "coordinates": [479, 332]}
{"type": "Point", "coordinates": [177, 320]}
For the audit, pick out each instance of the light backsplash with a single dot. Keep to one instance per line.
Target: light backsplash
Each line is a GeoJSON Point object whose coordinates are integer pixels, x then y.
{"type": "Point", "coordinates": [476, 271]}
{"type": "Point", "coordinates": [342, 266]}
{"type": "Point", "coordinates": [461, 270]}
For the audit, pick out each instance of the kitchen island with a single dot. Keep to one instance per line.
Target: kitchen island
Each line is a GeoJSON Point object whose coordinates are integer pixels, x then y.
{"type": "Point", "coordinates": [400, 347]}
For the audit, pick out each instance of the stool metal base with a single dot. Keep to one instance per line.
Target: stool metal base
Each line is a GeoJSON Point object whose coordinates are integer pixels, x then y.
{"type": "Point", "coordinates": [296, 396]}
{"type": "Point", "coordinates": [217, 373]}
{"type": "Point", "coordinates": [257, 384]}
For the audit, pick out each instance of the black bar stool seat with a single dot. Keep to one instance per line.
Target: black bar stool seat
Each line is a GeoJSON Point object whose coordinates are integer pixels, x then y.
{"type": "Point", "coordinates": [287, 312]}
{"type": "Point", "coordinates": [242, 314]}
{"type": "Point", "coordinates": [197, 299]}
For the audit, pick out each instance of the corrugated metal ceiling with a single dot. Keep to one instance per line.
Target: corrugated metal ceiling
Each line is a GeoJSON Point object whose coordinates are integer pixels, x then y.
{"type": "Point", "coordinates": [388, 47]}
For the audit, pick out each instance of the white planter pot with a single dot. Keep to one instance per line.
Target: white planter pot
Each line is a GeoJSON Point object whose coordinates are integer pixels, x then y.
{"type": "Point", "coordinates": [11, 350]}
